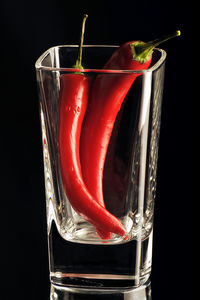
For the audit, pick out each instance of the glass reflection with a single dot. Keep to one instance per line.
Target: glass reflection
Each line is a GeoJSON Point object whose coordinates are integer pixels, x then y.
{"type": "Point", "coordinates": [64, 293]}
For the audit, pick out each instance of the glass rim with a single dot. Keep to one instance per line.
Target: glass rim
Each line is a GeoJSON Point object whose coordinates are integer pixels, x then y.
{"type": "Point", "coordinates": [39, 66]}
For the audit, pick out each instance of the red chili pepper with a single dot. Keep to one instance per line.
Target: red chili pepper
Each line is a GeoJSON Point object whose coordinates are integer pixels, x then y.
{"type": "Point", "coordinates": [73, 100]}
{"type": "Point", "coordinates": [108, 93]}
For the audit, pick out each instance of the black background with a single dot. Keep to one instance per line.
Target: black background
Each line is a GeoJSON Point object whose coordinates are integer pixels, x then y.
{"type": "Point", "coordinates": [28, 29]}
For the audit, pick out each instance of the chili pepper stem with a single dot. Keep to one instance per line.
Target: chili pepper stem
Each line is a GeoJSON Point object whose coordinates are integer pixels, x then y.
{"type": "Point", "coordinates": [141, 51]}
{"type": "Point", "coordinates": [78, 64]}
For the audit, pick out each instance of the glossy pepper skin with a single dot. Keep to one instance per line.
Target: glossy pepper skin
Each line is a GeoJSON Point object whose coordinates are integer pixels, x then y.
{"type": "Point", "coordinates": [107, 95]}
{"type": "Point", "coordinates": [72, 106]}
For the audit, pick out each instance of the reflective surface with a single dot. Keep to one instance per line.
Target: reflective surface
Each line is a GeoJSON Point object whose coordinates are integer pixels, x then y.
{"type": "Point", "coordinates": [61, 293]}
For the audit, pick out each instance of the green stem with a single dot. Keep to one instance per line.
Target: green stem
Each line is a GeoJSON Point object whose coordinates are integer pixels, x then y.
{"type": "Point", "coordinates": [78, 64]}
{"type": "Point", "coordinates": [141, 51]}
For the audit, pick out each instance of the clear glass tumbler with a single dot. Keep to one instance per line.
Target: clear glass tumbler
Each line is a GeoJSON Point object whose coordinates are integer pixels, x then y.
{"type": "Point", "coordinates": [81, 252]}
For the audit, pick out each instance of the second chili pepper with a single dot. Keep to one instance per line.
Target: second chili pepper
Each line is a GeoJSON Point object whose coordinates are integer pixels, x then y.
{"type": "Point", "coordinates": [108, 93]}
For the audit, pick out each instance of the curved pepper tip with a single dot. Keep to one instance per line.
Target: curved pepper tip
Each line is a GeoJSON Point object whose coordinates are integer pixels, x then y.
{"type": "Point", "coordinates": [126, 237]}
{"type": "Point", "coordinates": [121, 231]}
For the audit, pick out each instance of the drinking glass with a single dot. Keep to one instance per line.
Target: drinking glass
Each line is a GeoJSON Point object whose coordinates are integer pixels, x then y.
{"type": "Point", "coordinates": [78, 255]}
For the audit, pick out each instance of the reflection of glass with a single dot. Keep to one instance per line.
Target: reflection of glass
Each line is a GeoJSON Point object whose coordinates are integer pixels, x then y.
{"type": "Point", "coordinates": [63, 293]}
{"type": "Point", "coordinates": [78, 256]}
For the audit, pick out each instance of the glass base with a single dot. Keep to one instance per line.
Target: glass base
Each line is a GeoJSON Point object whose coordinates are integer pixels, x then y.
{"type": "Point", "coordinates": [63, 293]}
{"type": "Point", "coordinates": [99, 266]}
